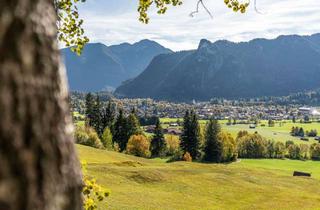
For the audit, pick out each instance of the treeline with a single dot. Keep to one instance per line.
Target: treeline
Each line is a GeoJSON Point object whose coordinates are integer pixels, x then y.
{"type": "Point", "coordinates": [255, 146]}
{"type": "Point", "coordinates": [219, 146]}
{"type": "Point", "coordinates": [209, 144]}
{"type": "Point", "coordinates": [296, 131]}
{"type": "Point", "coordinates": [110, 128]}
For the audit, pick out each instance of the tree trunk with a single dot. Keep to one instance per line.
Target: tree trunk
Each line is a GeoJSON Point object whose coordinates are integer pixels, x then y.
{"type": "Point", "coordinates": [39, 169]}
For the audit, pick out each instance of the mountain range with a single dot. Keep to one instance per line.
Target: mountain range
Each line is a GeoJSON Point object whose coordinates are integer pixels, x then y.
{"type": "Point", "coordinates": [260, 67]}
{"type": "Point", "coordinates": [101, 67]}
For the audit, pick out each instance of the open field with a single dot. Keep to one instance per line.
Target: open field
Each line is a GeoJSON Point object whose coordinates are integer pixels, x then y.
{"type": "Point", "coordinates": [138, 183]}
{"type": "Point", "coordinates": [280, 132]}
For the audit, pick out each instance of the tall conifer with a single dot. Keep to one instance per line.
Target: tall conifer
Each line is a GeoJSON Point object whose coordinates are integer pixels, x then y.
{"type": "Point", "coordinates": [89, 103]}
{"type": "Point", "coordinates": [190, 138]}
{"type": "Point", "coordinates": [120, 131]}
{"type": "Point", "coordinates": [158, 142]}
{"type": "Point", "coordinates": [213, 146]}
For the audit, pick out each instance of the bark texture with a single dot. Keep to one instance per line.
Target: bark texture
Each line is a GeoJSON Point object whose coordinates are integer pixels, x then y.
{"type": "Point", "coordinates": [39, 169]}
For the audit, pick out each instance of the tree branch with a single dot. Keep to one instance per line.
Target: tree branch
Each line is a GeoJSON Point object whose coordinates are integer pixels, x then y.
{"type": "Point", "coordinates": [197, 9]}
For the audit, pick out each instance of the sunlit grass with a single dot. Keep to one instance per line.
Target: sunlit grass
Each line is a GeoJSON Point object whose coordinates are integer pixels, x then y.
{"type": "Point", "coordinates": [138, 183]}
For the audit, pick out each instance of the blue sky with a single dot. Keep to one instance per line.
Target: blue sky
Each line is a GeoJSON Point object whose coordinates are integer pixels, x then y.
{"type": "Point", "coordinates": [116, 21]}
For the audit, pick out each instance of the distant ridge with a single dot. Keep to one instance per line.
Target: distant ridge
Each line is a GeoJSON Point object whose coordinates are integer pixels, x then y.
{"type": "Point", "coordinates": [101, 67]}
{"type": "Point", "coordinates": [260, 67]}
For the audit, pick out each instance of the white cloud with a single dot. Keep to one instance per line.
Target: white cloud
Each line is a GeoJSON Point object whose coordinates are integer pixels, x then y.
{"type": "Point", "coordinates": [115, 21]}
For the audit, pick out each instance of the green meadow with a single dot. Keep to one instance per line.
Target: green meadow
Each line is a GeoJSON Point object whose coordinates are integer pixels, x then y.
{"type": "Point", "coordinates": [280, 132]}
{"type": "Point", "coordinates": [138, 183]}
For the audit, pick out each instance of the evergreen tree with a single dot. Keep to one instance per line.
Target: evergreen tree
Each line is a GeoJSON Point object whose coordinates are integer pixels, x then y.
{"type": "Point", "coordinates": [301, 132]}
{"type": "Point", "coordinates": [294, 119]}
{"type": "Point", "coordinates": [133, 125]}
{"type": "Point", "coordinates": [271, 123]}
{"type": "Point", "coordinates": [185, 132]}
{"type": "Point", "coordinates": [293, 131]}
{"type": "Point", "coordinates": [96, 118]}
{"type": "Point", "coordinates": [89, 103]}
{"type": "Point", "coordinates": [213, 146]}
{"type": "Point", "coordinates": [158, 142]}
{"type": "Point", "coordinates": [120, 131]}
{"type": "Point", "coordinates": [190, 139]}
{"type": "Point", "coordinates": [108, 116]}
{"type": "Point", "coordinates": [106, 139]}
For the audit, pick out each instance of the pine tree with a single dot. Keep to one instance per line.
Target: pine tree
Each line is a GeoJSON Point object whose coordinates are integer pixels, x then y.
{"type": "Point", "coordinates": [133, 124]}
{"type": "Point", "coordinates": [89, 109]}
{"type": "Point", "coordinates": [158, 142]}
{"type": "Point", "coordinates": [301, 132]}
{"type": "Point", "coordinates": [120, 135]}
{"type": "Point", "coordinates": [190, 139]}
{"type": "Point", "coordinates": [108, 116]}
{"type": "Point", "coordinates": [213, 146]}
{"type": "Point", "coordinates": [96, 116]}
{"type": "Point", "coordinates": [294, 119]}
{"type": "Point", "coordinates": [195, 137]}
{"type": "Point", "coordinates": [185, 132]}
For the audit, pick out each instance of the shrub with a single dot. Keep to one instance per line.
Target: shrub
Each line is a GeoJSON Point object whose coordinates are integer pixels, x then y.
{"type": "Point", "coordinates": [304, 151]}
{"type": "Point", "coordinates": [242, 134]}
{"type": "Point", "coordinates": [271, 150]}
{"type": "Point", "coordinates": [92, 192]}
{"type": "Point", "coordinates": [81, 136]}
{"type": "Point", "coordinates": [280, 150]}
{"type": "Point", "coordinates": [288, 143]}
{"type": "Point", "coordinates": [312, 133]}
{"type": "Point", "coordinates": [107, 139]}
{"type": "Point", "coordinates": [94, 140]}
{"type": "Point", "coordinates": [87, 136]}
{"type": "Point", "coordinates": [173, 144]}
{"type": "Point", "coordinates": [294, 152]}
{"type": "Point", "coordinates": [116, 147]}
{"type": "Point", "coordinates": [315, 151]}
{"type": "Point", "coordinates": [187, 157]}
{"type": "Point", "coordinates": [138, 145]}
{"type": "Point", "coordinates": [176, 156]}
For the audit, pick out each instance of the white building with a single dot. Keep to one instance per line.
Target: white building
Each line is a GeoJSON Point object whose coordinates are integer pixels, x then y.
{"type": "Point", "coordinates": [309, 111]}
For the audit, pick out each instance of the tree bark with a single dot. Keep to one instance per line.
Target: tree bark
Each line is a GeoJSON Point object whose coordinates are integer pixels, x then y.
{"type": "Point", "coordinates": [39, 169]}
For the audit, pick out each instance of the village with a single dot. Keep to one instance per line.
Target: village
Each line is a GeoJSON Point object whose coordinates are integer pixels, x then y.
{"type": "Point", "coordinates": [224, 110]}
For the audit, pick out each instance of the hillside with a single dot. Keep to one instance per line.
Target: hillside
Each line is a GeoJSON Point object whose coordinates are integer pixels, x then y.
{"type": "Point", "coordinates": [260, 67]}
{"type": "Point", "coordinates": [101, 67]}
{"type": "Point", "coordinates": [138, 183]}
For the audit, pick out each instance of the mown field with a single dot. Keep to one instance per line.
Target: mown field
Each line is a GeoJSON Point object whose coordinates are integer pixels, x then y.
{"type": "Point", "coordinates": [280, 132]}
{"type": "Point", "coordinates": [138, 183]}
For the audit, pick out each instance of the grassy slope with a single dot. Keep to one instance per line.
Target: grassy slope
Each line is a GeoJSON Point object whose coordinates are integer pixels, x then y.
{"type": "Point", "coordinates": [138, 183]}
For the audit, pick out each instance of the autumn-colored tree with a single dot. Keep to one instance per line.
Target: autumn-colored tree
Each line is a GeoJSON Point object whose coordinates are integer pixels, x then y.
{"type": "Point", "coordinates": [229, 147]}
{"type": "Point", "coordinates": [315, 151]}
{"type": "Point", "coordinates": [242, 133]}
{"type": "Point", "coordinates": [139, 145]}
{"type": "Point", "coordinates": [87, 136]}
{"type": "Point", "coordinates": [280, 150]}
{"type": "Point", "coordinates": [187, 157]}
{"type": "Point", "coordinates": [173, 144]}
